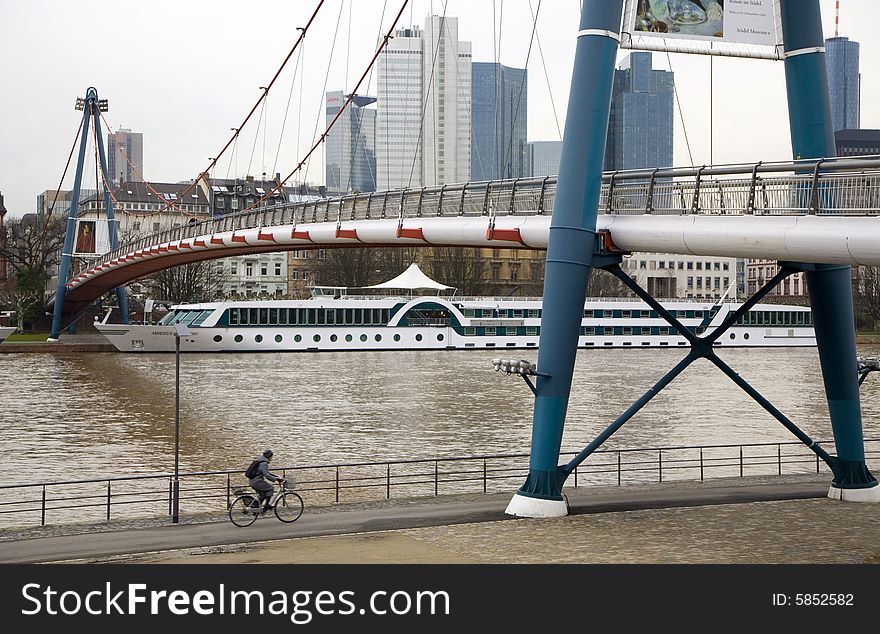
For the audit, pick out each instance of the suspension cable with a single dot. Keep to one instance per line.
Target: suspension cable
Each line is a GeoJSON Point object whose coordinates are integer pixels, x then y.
{"type": "Point", "coordinates": [342, 109]}
{"type": "Point", "coordinates": [287, 110]}
{"type": "Point", "coordinates": [680, 113]}
{"type": "Point", "coordinates": [256, 136]}
{"type": "Point", "coordinates": [360, 121]}
{"type": "Point", "coordinates": [546, 74]}
{"type": "Point", "coordinates": [99, 169]}
{"type": "Point", "coordinates": [97, 159]}
{"type": "Point", "coordinates": [64, 173]}
{"type": "Point", "coordinates": [169, 205]}
{"type": "Point", "coordinates": [522, 86]}
{"type": "Point", "coordinates": [254, 108]}
{"type": "Point", "coordinates": [428, 97]}
{"type": "Point", "coordinates": [269, 85]}
{"type": "Point", "coordinates": [326, 79]}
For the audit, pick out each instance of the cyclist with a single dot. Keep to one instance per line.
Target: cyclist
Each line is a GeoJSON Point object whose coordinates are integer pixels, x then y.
{"type": "Point", "coordinates": [260, 483]}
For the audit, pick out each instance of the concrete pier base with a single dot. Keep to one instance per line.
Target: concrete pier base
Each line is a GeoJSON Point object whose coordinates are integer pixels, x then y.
{"type": "Point", "coordinates": [524, 506]}
{"type": "Point", "coordinates": [871, 494]}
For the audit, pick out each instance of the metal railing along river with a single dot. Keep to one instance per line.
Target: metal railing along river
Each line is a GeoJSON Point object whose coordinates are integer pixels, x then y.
{"type": "Point", "coordinates": [210, 492]}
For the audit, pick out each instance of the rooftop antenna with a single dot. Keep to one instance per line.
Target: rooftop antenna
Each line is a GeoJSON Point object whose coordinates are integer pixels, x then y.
{"type": "Point", "coordinates": [836, 15]}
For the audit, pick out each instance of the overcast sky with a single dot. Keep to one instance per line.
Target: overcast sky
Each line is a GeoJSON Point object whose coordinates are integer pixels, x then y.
{"type": "Point", "coordinates": [184, 72]}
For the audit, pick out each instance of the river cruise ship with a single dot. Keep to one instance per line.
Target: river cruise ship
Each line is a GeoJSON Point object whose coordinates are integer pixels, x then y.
{"type": "Point", "coordinates": [5, 332]}
{"type": "Point", "coordinates": [397, 315]}
{"type": "Point", "coordinates": [352, 322]}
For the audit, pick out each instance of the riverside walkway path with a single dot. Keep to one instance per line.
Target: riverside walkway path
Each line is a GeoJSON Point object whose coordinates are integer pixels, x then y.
{"type": "Point", "coordinates": [781, 519]}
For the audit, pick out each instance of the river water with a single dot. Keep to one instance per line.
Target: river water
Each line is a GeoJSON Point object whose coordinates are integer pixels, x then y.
{"type": "Point", "coordinates": [95, 415]}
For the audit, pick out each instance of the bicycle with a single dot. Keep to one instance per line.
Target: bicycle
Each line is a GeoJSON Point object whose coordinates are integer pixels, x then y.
{"type": "Point", "coordinates": [246, 508]}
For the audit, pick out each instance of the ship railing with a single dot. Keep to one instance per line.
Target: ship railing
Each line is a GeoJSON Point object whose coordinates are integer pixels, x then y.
{"type": "Point", "coordinates": [427, 321]}
{"type": "Point", "coordinates": [208, 493]}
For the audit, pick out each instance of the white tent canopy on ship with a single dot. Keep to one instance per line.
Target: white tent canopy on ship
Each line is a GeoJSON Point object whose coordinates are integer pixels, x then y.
{"type": "Point", "coordinates": [411, 279]}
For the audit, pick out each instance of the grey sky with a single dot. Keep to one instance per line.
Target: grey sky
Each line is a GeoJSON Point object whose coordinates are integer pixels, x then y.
{"type": "Point", "coordinates": [184, 73]}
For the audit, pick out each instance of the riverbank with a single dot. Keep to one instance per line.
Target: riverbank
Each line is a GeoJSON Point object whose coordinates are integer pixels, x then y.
{"type": "Point", "coordinates": [778, 519]}
{"type": "Point", "coordinates": [88, 342]}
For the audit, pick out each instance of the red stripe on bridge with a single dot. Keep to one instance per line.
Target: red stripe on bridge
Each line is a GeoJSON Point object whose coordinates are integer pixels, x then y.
{"type": "Point", "coordinates": [414, 232]}
{"type": "Point", "coordinates": [508, 235]}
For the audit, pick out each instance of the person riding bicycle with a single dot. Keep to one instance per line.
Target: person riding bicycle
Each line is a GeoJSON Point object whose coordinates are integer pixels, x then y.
{"type": "Point", "coordinates": [260, 483]}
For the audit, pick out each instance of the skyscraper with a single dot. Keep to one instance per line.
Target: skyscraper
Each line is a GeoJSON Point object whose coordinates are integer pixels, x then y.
{"type": "Point", "coordinates": [350, 154]}
{"type": "Point", "coordinates": [423, 123]}
{"type": "Point", "coordinates": [640, 126]}
{"type": "Point", "coordinates": [544, 158]}
{"type": "Point", "coordinates": [121, 145]}
{"type": "Point", "coordinates": [498, 122]}
{"type": "Point", "coordinates": [842, 60]}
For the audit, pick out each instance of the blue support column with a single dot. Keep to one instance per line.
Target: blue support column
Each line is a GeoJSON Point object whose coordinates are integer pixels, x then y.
{"type": "Point", "coordinates": [829, 286]}
{"type": "Point", "coordinates": [67, 249]}
{"type": "Point", "coordinates": [121, 299]}
{"type": "Point", "coordinates": [570, 252]}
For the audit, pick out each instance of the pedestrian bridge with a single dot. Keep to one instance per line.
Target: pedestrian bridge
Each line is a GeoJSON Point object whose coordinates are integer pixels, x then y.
{"type": "Point", "coordinates": [805, 211]}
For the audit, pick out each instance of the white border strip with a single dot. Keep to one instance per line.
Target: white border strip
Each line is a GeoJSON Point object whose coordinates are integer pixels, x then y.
{"type": "Point", "coordinates": [602, 32]}
{"type": "Point", "coordinates": [803, 51]}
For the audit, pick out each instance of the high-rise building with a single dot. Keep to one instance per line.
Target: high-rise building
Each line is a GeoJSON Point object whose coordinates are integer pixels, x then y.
{"type": "Point", "coordinates": [423, 122]}
{"type": "Point", "coordinates": [58, 201]}
{"type": "Point", "coordinates": [842, 61]}
{"type": "Point", "coordinates": [640, 136]}
{"type": "Point", "coordinates": [498, 122]}
{"type": "Point", "coordinates": [544, 158]}
{"type": "Point", "coordinates": [862, 142]}
{"type": "Point", "coordinates": [641, 121]}
{"type": "Point", "coordinates": [350, 149]}
{"type": "Point", "coordinates": [125, 156]}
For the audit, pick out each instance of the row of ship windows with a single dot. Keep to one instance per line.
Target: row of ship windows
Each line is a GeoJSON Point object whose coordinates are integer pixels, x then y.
{"type": "Point", "coordinates": [381, 316]}
{"type": "Point", "coordinates": [752, 318]}
{"type": "Point", "coordinates": [598, 313]}
{"type": "Point", "coordinates": [308, 316]}
{"type": "Point", "coordinates": [585, 331]}
{"type": "Point", "coordinates": [317, 338]}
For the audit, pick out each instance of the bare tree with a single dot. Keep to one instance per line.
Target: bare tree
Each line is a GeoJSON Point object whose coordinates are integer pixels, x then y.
{"type": "Point", "coordinates": [32, 247]}
{"type": "Point", "coordinates": [866, 296]}
{"type": "Point", "coordinates": [33, 242]}
{"type": "Point", "coordinates": [349, 267]}
{"type": "Point", "coordinates": [186, 284]}
{"type": "Point", "coordinates": [393, 261]}
{"type": "Point", "coordinates": [604, 284]}
{"type": "Point", "coordinates": [25, 300]}
{"type": "Point", "coordinates": [460, 267]}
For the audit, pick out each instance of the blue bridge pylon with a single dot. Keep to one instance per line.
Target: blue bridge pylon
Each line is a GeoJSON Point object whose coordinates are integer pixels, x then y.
{"type": "Point", "coordinates": [574, 249]}
{"type": "Point", "coordinates": [92, 108]}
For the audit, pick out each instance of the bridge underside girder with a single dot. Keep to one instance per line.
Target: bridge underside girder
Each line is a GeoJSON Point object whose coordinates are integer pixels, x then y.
{"type": "Point", "coordinates": [821, 239]}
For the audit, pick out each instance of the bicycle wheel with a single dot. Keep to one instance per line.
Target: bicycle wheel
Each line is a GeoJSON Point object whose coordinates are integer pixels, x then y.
{"type": "Point", "coordinates": [289, 507]}
{"type": "Point", "coordinates": [241, 511]}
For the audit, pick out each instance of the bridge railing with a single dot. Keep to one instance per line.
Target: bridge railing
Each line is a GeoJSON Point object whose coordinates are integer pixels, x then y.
{"type": "Point", "coordinates": [210, 492]}
{"type": "Point", "coordinates": [847, 186]}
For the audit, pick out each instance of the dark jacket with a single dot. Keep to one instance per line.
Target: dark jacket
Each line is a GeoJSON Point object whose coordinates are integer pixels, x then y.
{"type": "Point", "coordinates": [264, 473]}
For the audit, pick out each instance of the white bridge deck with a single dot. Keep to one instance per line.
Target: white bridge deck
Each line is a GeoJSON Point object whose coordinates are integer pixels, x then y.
{"type": "Point", "coordinates": [806, 211]}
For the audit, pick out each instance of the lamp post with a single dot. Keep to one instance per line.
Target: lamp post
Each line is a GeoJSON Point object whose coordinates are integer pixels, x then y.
{"type": "Point", "coordinates": [180, 330]}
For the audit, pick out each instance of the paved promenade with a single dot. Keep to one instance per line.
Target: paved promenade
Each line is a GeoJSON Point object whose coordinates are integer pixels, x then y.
{"type": "Point", "coordinates": [784, 519]}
